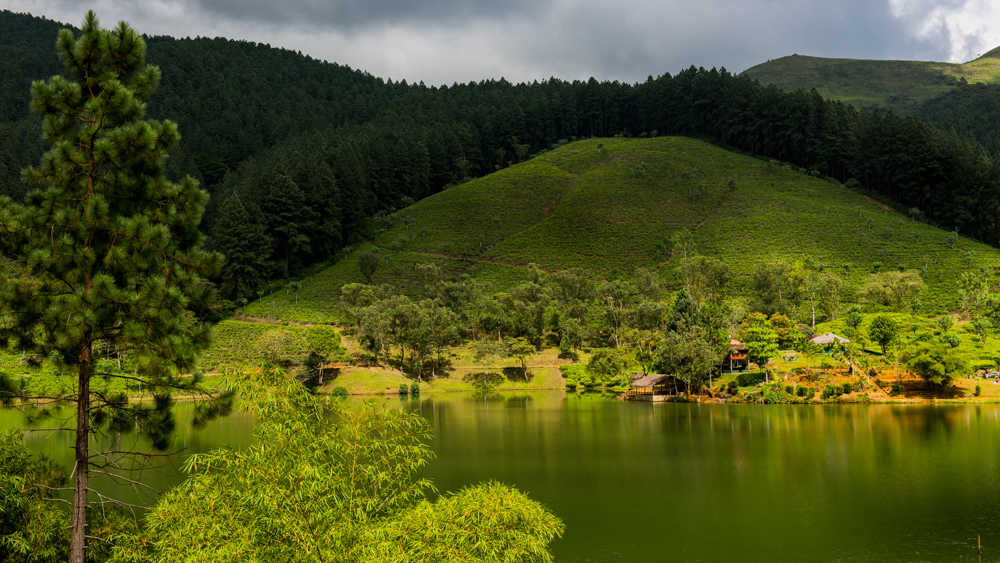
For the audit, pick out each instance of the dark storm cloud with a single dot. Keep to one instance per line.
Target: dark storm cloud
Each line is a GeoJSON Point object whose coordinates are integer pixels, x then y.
{"type": "Point", "coordinates": [631, 41]}
{"type": "Point", "coordinates": [445, 41]}
{"type": "Point", "coordinates": [352, 15]}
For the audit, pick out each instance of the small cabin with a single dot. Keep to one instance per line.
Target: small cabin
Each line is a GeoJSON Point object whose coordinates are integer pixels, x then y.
{"type": "Point", "coordinates": [736, 360]}
{"type": "Point", "coordinates": [653, 387]}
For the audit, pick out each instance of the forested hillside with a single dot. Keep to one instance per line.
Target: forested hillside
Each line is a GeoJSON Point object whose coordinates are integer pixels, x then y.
{"type": "Point", "coordinates": [604, 209]}
{"type": "Point", "coordinates": [973, 111]}
{"type": "Point", "coordinates": [303, 157]}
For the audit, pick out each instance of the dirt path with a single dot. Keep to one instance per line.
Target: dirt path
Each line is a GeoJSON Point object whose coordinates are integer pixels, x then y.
{"type": "Point", "coordinates": [882, 205]}
{"type": "Point", "coordinates": [474, 259]}
{"type": "Point", "coordinates": [552, 206]}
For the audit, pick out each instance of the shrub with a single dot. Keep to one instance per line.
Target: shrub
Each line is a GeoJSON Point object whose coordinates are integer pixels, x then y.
{"type": "Point", "coordinates": [790, 389]}
{"type": "Point", "coordinates": [573, 371]}
{"type": "Point", "coordinates": [339, 392]}
{"type": "Point", "coordinates": [830, 391]}
{"type": "Point", "coordinates": [749, 379]}
{"type": "Point", "coordinates": [403, 389]}
{"type": "Point", "coordinates": [979, 389]}
{"type": "Point", "coordinates": [771, 396]}
{"type": "Point", "coordinates": [732, 387]}
{"type": "Point", "coordinates": [573, 374]}
{"type": "Point", "coordinates": [848, 387]}
{"type": "Point", "coordinates": [415, 390]}
{"type": "Point", "coordinates": [951, 339]}
{"type": "Point", "coordinates": [800, 391]}
{"type": "Point", "coordinates": [896, 389]}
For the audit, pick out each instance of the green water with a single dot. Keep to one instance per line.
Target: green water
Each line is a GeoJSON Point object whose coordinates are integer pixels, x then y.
{"type": "Point", "coordinates": [671, 482]}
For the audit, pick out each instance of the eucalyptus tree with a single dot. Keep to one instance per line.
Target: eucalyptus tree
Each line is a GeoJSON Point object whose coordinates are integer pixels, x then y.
{"type": "Point", "coordinates": [521, 349]}
{"type": "Point", "coordinates": [883, 330]}
{"type": "Point", "coordinates": [434, 328]}
{"type": "Point", "coordinates": [761, 340]}
{"type": "Point", "coordinates": [821, 289]}
{"type": "Point", "coordinates": [688, 352]}
{"type": "Point", "coordinates": [974, 296]}
{"type": "Point", "coordinates": [704, 277]}
{"type": "Point", "coordinates": [529, 303]}
{"type": "Point", "coordinates": [105, 255]}
{"type": "Point", "coordinates": [893, 289]}
{"type": "Point", "coordinates": [617, 300]}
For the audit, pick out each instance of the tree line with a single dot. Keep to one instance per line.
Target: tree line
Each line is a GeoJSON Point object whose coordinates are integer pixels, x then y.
{"type": "Point", "coordinates": [317, 151]}
{"type": "Point", "coordinates": [633, 320]}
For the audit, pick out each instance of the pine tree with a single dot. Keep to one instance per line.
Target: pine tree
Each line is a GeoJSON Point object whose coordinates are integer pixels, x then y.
{"type": "Point", "coordinates": [241, 237]}
{"type": "Point", "coordinates": [106, 254]}
{"type": "Point", "coordinates": [289, 218]}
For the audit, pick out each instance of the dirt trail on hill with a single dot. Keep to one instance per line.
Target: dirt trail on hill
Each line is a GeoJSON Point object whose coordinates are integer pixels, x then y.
{"type": "Point", "coordinates": [273, 321]}
{"type": "Point", "coordinates": [552, 206]}
{"type": "Point", "coordinates": [882, 205]}
{"type": "Point", "coordinates": [475, 259]}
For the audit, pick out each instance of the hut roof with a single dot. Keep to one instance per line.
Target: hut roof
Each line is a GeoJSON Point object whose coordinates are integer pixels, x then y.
{"type": "Point", "coordinates": [649, 380]}
{"type": "Point", "coordinates": [830, 338]}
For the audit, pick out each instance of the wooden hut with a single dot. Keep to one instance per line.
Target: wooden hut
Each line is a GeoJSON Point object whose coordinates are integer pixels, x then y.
{"type": "Point", "coordinates": [653, 387]}
{"type": "Point", "coordinates": [736, 359]}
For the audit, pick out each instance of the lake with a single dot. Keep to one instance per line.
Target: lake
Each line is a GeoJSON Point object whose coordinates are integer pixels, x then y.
{"type": "Point", "coordinates": [682, 482]}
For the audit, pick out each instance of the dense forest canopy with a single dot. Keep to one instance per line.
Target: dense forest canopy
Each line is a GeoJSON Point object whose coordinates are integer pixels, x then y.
{"type": "Point", "coordinates": [315, 151]}
{"type": "Point", "coordinates": [973, 111]}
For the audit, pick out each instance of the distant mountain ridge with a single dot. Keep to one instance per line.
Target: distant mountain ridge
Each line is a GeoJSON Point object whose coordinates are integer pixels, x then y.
{"type": "Point", "coordinates": [895, 85]}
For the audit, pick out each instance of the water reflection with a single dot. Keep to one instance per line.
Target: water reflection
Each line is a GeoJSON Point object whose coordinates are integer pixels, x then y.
{"type": "Point", "coordinates": [676, 482]}
{"type": "Point", "coordinates": [231, 431]}
{"type": "Point", "coordinates": [735, 482]}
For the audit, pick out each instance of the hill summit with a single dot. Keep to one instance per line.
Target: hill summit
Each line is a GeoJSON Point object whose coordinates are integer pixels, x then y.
{"type": "Point", "coordinates": [992, 54]}
{"type": "Point", "coordinates": [605, 207]}
{"type": "Point", "coordinates": [896, 85]}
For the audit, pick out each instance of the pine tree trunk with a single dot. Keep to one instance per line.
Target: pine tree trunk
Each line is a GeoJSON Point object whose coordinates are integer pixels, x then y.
{"type": "Point", "coordinates": [81, 469]}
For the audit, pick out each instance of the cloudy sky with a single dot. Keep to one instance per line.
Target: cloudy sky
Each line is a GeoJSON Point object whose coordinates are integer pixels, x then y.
{"type": "Point", "coordinates": [446, 41]}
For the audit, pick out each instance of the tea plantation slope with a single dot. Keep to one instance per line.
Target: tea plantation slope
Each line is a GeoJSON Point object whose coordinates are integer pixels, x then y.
{"type": "Point", "coordinates": [608, 205]}
{"type": "Point", "coordinates": [898, 85]}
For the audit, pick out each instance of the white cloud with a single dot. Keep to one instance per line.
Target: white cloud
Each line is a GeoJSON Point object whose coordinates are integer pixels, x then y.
{"type": "Point", "coordinates": [965, 28]}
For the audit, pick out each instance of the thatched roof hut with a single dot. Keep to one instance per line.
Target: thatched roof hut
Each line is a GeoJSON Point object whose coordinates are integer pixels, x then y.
{"type": "Point", "coordinates": [648, 379]}
{"type": "Point", "coordinates": [655, 383]}
{"type": "Point", "coordinates": [829, 338]}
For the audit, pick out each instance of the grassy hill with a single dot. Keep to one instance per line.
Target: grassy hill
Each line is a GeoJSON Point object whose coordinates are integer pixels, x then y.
{"type": "Point", "coordinates": [898, 85]}
{"type": "Point", "coordinates": [606, 206]}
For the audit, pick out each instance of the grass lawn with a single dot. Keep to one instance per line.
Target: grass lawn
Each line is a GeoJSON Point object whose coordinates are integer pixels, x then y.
{"type": "Point", "coordinates": [459, 373]}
